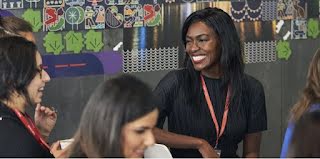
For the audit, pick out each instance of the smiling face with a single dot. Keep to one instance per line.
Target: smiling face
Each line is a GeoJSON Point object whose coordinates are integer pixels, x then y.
{"type": "Point", "coordinates": [202, 47]}
{"type": "Point", "coordinates": [137, 135]}
{"type": "Point", "coordinates": [36, 86]}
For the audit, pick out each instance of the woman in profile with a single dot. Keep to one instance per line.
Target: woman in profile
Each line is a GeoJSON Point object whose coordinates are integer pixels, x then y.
{"type": "Point", "coordinates": [308, 102]}
{"type": "Point", "coordinates": [117, 120]}
{"type": "Point", "coordinates": [22, 82]}
{"type": "Point", "coordinates": [45, 117]}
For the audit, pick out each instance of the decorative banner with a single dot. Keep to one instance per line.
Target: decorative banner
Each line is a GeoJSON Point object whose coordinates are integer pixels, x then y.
{"type": "Point", "coordinates": [71, 65]}
{"type": "Point", "coordinates": [94, 3]}
{"type": "Point", "coordinates": [34, 18]}
{"type": "Point", "coordinates": [74, 17]}
{"type": "Point", "coordinates": [150, 59]}
{"type": "Point", "coordinates": [246, 10]}
{"type": "Point", "coordinates": [152, 15]}
{"type": "Point", "coordinates": [75, 2]}
{"type": "Point", "coordinates": [94, 17]}
{"type": "Point", "coordinates": [262, 51]}
{"type": "Point", "coordinates": [283, 50]}
{"type": "Point", "coordinates": [298, 29]}
{"type": "Point", "coordinates": [74, 41]}
{"type": "Point", "coordinates": [53, 19]}
{"type": "Point", "coordinates": [170, 1]}
{"type": "Point", "coordinates": [291, 9]}
{"type": "Point", "coordinates": [269, 10]}
{"type": "Point", "coordinates": [313, 28]}
{"type": "Point", "coordinates": [121, 2]}
{"type": "Point", "coordinates": [53, 3]}
{"type": "Point", "coordinates": [53, 43]}
{"type": "Point", "coordinates": [188, 1]}
{"type": "Point", "coordinates": [33, 4]}
{"type": "Point", "coordinates": [94, 41]}
{"type": "Point", "coordinates": [11, 4]}
{"type": "Point", "coordinates": [114, 18]}
{"type": "Point", "coordinates": [133, 16]}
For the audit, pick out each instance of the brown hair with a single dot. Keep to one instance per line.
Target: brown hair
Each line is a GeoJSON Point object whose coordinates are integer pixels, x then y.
{"type": "Point", "coordinates": [311, 92]}
{"type": "Point", "coordinates": [114, 103]}
{"type": "Point", "coordinates": [15, 25]}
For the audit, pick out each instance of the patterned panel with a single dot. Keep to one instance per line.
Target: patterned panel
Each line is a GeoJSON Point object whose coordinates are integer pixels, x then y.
{"type": "Point", "coordinates": [269, 10]}
{"type": "Point", "coordinates": [257, 52]}
{"type": "Point", "coordinates": [150, 59]}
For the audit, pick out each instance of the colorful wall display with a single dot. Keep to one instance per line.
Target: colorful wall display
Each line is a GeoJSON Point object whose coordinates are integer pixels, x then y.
{"type": "Point", "coordinates": [78, 28]}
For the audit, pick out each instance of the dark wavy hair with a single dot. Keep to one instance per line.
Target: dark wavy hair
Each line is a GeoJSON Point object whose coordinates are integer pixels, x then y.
{"type": "Point", "coordinates": [230, 60]}
{"type": "Point", "coordinates": [114, 103]}
{"type": "Point", "coordinates": [18, 66]}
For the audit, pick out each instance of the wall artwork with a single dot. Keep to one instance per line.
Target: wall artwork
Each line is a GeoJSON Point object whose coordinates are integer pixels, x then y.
{"type": "Point", "coordinates": [74, 65]}
{"type": "Point", "coordinates": [246, 10]}
{"type": "Point", "coordinates": [298, 29]}
{"type": "Point", "coordinates": [291, 9]}
{"type": "Point", "coordinates": [11, 4]}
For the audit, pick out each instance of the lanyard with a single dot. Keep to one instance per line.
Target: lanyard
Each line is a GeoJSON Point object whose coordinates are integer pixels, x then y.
{"type": "Point", "coordinates": [32, 128]}
{"type": "Point", "coordinates": [213, 115]}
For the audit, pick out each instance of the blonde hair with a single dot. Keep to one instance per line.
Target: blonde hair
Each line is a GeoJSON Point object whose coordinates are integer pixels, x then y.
{"type": "Point", "coordinates": [311, 92]}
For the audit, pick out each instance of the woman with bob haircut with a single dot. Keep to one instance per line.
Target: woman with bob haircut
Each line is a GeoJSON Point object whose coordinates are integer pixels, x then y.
{"type": "Point", "coordinates": [22, 82]}
{"type": "Point", "coordinates": [117, 120]}
{"type": "Point", "coordinates": [211, 104]}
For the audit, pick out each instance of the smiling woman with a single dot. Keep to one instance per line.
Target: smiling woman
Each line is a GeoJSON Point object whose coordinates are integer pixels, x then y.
{"type": "Point", "coordinates": [117, 120]}
{"type": "Point", "coordinates": [21, 85]}
{"type": "Point", "coordinates": [211, 104]}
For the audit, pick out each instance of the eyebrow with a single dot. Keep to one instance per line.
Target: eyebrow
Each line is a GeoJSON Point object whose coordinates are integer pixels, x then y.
{"type": "Point", "coordinates": [197, 36]}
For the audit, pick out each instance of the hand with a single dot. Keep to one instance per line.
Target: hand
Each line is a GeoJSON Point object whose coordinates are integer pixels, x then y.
{"type": "Point", "coordinates": [206, 150]}
{"type": "Point", "coordinates": [57, 152]}
{"type": "Point", "coordinates": [45, 120]}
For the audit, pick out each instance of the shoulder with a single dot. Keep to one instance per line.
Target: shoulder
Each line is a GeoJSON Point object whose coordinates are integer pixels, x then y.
{"type": "Point", "coordinates": [252, 83]}
{"type": "Point", "coordinates": [7, 115]}
{"type": "Point", "coordinates": [172, 78]}
{"type": "Point", "coordinates": [176, 74]}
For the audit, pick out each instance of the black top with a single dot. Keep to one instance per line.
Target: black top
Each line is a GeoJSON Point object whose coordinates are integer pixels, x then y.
{"type": "Point", "coordinates": [16, 140]}
{"type": "Point", "coordinates": [196, 121]}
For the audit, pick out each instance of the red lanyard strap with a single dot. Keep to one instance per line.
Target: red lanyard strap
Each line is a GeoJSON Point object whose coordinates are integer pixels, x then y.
{"type": "Point", "coordinates": [32, 128]}
{"type": "Point", "coordinates": [213, 115]}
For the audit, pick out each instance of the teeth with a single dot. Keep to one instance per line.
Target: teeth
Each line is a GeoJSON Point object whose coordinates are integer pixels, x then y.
{"type": "Point", "coordinates": [198, 58]}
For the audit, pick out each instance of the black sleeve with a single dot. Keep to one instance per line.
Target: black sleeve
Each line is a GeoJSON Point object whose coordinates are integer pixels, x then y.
{"type": "Point", "coordinates": [257, 119]}
{"type": "Point", "coordinates": [164, 94]}
{"type": "Point", "coordinates": [16, 141]}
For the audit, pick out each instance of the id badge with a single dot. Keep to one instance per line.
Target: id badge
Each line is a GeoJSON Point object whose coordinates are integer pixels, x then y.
{"type": "Point", "coordinates": [218, 152]}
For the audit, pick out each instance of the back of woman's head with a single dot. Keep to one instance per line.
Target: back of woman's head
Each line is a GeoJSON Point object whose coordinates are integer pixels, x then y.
{"type": "Point", "coordinates": [114, 103]}
{"type": "Point", "coordinates": [17, 66]}
{"type": "Point", "coordinates": [306, 136]}
{"type": "Point", "coordinates": [15, 25]}
{"type": "Point", "coordinates": [311, 92]}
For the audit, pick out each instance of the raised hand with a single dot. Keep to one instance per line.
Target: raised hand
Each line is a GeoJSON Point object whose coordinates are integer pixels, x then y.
{"type": "Point", "coordinates": [57, 152]}
{"type": "Point", "coordinates": [45, 119]}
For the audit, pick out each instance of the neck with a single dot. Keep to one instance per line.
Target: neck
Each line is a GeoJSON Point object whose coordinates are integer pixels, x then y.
{"type": "Point", "coordinates": [16, 102]}
{"type": "Point", "coordinates": [214, 72]}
